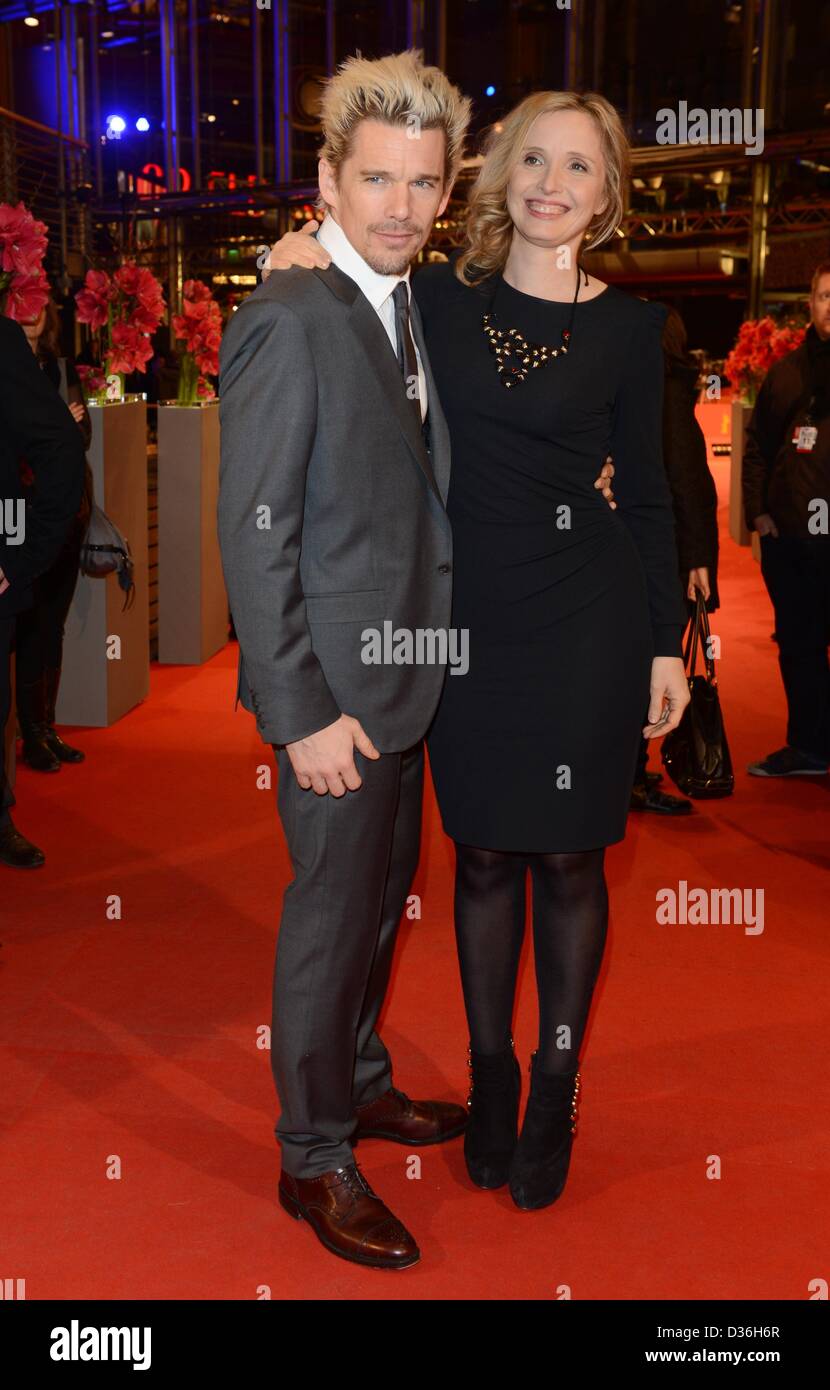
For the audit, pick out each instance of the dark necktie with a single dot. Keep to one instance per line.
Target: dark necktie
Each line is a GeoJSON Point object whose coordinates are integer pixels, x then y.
{"type": "Point", "coordinates": [407, 361]}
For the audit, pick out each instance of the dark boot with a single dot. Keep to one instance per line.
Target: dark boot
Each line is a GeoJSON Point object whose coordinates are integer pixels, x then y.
{"type": "Point", "coordinates": [63, 751]}
{"type": "Point", "coordinates": [542, 1156]}
{"type": "Point", "coordinates": [31, 712]}
{"type": "Point", "coordinates": [17, 851]}
{"type": "Point", "coordinates": [493, 1103]}
{"type": "Point", "coordinates": [647, 796]}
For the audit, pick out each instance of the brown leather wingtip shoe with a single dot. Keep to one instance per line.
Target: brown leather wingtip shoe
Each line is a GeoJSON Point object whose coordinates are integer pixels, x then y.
{"type": "Point", "coordinates": [349, 1219]}
{"type": "Point", "coordinates": [394, 1116]}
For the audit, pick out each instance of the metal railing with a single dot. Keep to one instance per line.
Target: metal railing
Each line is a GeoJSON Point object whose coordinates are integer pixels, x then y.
{"type": "Point", "coordinates": [48, 171]}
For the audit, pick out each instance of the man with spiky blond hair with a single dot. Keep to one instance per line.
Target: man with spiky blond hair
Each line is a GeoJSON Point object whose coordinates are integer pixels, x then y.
{"type": "Point", "coordinates": [334, 473]}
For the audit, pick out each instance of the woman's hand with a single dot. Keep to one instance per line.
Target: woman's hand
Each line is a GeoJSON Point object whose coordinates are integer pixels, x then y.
{"type": "Point", "coordinates": [699, 578]}
{"type": "Point", "coordinates": [297, 248]}
{"type": "Point", "coordinates": [76, 410]}
{"type": "Point", "coordinates": [604, 482]}
{"type": "Point", "coordinates": [669, 695]}
{"type": "Point", "coordinates": [765, 525]}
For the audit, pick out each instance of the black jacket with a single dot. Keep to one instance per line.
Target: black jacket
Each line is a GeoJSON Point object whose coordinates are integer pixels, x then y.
{"type": "Point", "coordinates": [693, 491]}
{"type": "Point", "coordinates": [777, 479]}
{"type": "Point", "coordinates": [36, 425]}
{"type": "Point", "coordinates": [50, 366]}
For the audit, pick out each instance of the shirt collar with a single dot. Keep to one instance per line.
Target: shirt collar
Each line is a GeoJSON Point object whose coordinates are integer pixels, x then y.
{"type": "Point", "coordinates": [376, 288]}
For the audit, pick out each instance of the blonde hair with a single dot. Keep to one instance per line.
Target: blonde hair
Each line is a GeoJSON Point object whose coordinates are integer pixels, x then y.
{"type": "Point", "coordinates": [398, 89]}
{"type": "Point", "coordinates": [489, 227]}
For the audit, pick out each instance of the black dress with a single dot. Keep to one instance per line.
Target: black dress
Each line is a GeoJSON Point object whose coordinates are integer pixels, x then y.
{"type": "Point", "coordinates": [565, 600]}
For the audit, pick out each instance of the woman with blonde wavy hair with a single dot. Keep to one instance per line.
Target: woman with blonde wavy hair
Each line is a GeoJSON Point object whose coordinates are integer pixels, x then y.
{"type": "Point", "coordinates": [574, 609]}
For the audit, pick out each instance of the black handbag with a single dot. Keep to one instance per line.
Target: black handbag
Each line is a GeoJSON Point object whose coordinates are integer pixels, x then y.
{"type": "Point", "coordinates": [696, 753]}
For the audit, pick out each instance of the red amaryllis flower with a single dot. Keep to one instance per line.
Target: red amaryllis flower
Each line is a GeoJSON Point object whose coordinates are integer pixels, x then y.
{"type": "Point", "coordinates": [26, 296]}
{"type": "Point", "coordinates": [199, 327]}
{"type": "Point", "coordinates": [22, 240]}
{"type": "Point", "coordinates": [129, 306]}
{"type": "Point", "coordinates": [24, 288]}
{"type": "Point", "coordinates": [93, 301]}
{"type": "Point", "coordinates": [195, 290]}
{"type": "Point", "coordinates": [759, 344]}
{"type": "Point", "coordinates": [126, 277]}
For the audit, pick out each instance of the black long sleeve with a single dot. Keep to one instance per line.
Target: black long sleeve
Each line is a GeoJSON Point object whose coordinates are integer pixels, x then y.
{"type": "Point", "coordinates": [36, 425]}
{"type": "Point", "coordinates": [694, 495]}
{"type": "Point", "coordinates": [640, 484]}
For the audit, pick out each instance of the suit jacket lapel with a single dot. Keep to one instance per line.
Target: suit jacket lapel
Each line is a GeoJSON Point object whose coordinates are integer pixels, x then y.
{"type": "Point", "coordinates": [381, 358]}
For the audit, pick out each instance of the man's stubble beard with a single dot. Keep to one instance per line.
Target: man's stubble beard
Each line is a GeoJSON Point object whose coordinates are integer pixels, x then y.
{"type": "Point", "coordinates": [384, 267]}
{"type": "Point", "coordinates": [393, 262]}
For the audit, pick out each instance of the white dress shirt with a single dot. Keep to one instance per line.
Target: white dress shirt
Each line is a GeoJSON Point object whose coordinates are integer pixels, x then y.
{"type": "Point", "coordinates": [377, 289]}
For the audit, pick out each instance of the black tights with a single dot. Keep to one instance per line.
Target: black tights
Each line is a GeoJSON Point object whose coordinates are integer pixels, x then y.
{"type": "Point", "coordinates": [570, 922]}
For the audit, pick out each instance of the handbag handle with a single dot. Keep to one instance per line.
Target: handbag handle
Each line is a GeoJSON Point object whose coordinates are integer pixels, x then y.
{"type": "Point", "coordinates": [698, 625]}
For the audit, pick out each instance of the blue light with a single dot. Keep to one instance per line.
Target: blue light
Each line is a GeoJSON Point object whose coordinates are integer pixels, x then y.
{"type": "Point", "coordinates": [116, 124]}
{"type": "Point", "coordinates": [489, 91]}
{"type": "Point", "coordinates": [142, 123]}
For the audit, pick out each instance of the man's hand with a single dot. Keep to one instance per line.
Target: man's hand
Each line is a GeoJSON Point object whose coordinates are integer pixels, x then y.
{"type": "Point", "coordinates": [764, 525]}
{"type": "Point", "coordinates": [4, 583]}
{"type": "Point", "coordinates": [669, 683]}
{"type": "Point", "coordinates": [77, 410]}
{"type": "Point", "coordinates": [297, 248]}
{"type": "Point", "coordinates": [699, 578]}
{"type": "Point", "coordinates": [604, 482]}
{"type": "Point", "coordinates": [325, 760]}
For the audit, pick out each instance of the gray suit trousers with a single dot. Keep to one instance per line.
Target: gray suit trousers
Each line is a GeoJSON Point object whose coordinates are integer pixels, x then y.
{"type": "Point", "coordinates": [354, 858]}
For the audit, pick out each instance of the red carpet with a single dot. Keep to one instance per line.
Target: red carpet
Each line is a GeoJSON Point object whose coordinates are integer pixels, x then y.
{"type": "Point", "coordinates": [132, 1044]}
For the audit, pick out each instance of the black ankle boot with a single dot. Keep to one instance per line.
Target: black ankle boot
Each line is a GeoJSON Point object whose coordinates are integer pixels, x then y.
{"type": "Point", "coordinates": [542, 1156]}
{"type": "Point", "coordinates": [493, 1103]}
{"type": "Point", "coordinates": [31, 712]}
{"type": "Point", "coordinates": [64, 752]}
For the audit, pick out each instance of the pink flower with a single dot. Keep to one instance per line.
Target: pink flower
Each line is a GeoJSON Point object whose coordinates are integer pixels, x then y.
{"type": "Point", "coordinates": [92, 378]}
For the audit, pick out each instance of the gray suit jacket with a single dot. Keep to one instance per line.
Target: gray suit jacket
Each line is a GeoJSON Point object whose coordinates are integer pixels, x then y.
{"type": "Point", "coordinates": [331, 511]}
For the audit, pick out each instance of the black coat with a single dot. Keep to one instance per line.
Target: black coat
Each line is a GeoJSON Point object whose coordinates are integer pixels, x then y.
{"type": "Point", "coordinates": [693, 491]}
{"type": "Point", "coordinates": [35, 424]}
{"type": "Point", "coordinates": [777, 479]}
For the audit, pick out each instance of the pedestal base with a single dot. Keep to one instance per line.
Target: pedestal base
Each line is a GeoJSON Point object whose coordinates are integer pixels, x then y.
{"type": "Point", "coordinates": [106, 662]}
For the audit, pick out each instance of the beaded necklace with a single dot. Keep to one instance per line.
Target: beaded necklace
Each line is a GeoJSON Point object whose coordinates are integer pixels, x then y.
{"type": "Point", "coordinates": [515, 356]}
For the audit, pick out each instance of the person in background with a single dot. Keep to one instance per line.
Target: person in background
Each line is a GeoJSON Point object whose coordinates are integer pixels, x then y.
{"type": "Point", "coordinates": [34, 424]}
{"type": "Point", "coordinates": [40, 629]}
{"type": "Point", "coordinates": [695, 504]}
{"type": "Point", "coordinates": [786, 494]}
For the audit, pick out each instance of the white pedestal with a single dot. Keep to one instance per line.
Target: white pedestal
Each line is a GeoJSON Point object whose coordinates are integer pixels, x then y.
{"type": "Point", "coordinates": [738, 529]}
{"type": "Point", "coordinates": [97, 686]}
{"type": "Point", "coordinates": [193, 604]}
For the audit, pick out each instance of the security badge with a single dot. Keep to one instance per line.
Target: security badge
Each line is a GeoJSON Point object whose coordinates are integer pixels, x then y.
{"type": "Point", "coordinates": [805, 438]}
